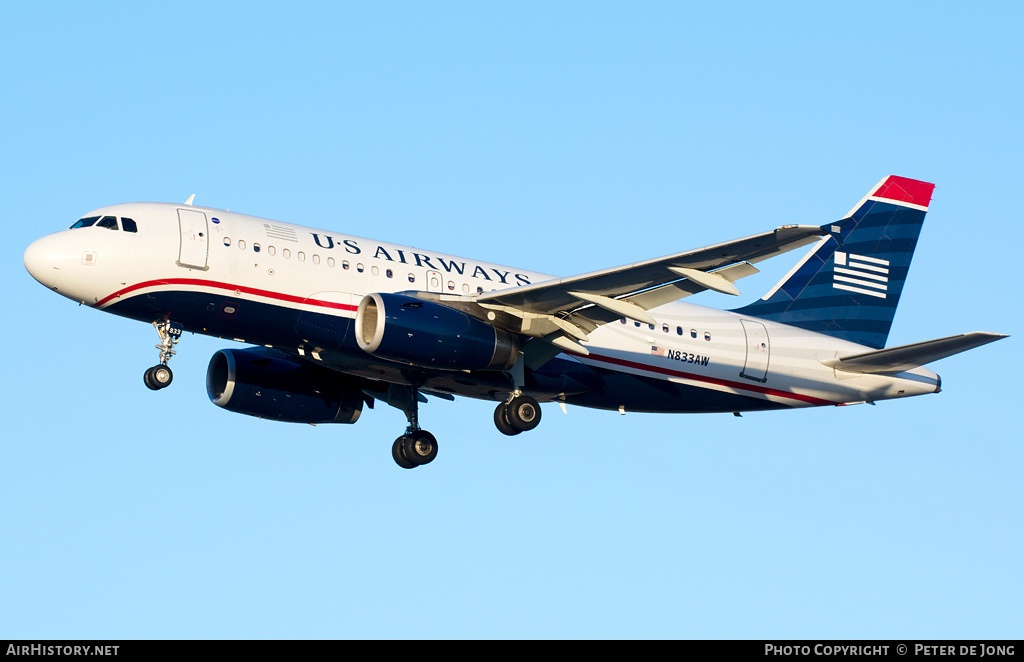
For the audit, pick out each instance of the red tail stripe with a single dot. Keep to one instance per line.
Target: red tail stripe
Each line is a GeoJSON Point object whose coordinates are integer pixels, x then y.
{"type": "Point", "coordinates": [902, 189]}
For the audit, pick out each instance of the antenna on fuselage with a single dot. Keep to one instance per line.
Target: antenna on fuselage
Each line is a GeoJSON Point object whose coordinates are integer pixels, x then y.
{"type": "Point", "coordinates": [190, 199]}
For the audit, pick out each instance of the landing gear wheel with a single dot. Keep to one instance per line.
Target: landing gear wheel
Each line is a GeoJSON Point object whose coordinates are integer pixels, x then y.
{"type": "Point", "coordinates": [501, 421]}
{"type": "Point", "coordinates": [523, 413]}
{"type": "Point", "coordinates": [399, 455]}
{"type": "Point", "coordinates": [158, 377]}
{"type": "Point", "coordinates": [414, 449]}
{"type": "Point", "coordinates": [420, 447]}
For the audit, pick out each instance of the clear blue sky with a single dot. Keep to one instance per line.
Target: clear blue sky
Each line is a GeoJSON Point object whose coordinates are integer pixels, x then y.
{"type": "Point", "coordinates": [561, 137]}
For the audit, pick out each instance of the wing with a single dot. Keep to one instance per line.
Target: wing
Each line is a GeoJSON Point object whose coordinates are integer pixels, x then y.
{"type": "Point", "coordinates": [563, 311]}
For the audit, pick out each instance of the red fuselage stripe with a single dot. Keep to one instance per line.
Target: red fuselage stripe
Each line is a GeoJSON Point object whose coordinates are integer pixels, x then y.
{"type": "Point", "coordinates": [290, 298]}
{"type": "Point", "coordinates": [809, 399]}
{"type": "Point", "coordinates": [234, 289]}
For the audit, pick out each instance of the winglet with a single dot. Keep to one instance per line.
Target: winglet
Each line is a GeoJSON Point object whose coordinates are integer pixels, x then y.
{"type": "Point", "coordinates": [190, 199]}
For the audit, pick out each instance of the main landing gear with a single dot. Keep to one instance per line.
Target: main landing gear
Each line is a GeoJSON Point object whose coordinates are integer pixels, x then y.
{"type": "Point", "coordinates": [520, 413]}
{"type": "Point", "coordinates": [416, 447]}
{"type": "Point", "coordinates": [160, 376]}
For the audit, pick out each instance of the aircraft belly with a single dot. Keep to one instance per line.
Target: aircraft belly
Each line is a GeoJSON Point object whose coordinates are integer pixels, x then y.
{"type": "Point", "coordinates": [638, 393]}
{"type": "Point", "coordinates": [609, 378]}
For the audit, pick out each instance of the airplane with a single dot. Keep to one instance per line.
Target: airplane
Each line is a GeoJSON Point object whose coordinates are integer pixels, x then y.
{"type": "Point", "coordinates": [338, 322]}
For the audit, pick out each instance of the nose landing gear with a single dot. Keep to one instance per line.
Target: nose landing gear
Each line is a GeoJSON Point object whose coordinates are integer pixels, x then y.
{"type": "Point", "coordinates": [160, 376]}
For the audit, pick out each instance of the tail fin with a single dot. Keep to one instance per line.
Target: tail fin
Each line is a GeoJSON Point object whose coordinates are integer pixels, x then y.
{"type": "Point", "coordinates": [848, 286]}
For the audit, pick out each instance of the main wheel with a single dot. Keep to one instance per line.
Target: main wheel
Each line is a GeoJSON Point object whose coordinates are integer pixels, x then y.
{"type": "Point", "coordinates": [501, 421]}
{"type": "Point", "coordinates": [419, 447]}
{"type": "Point", "coordinates": [158, 377]}
{"type": "Point", "coordinates": [523, 413]}
{"type": "Point", "coordinates": [399, 455]}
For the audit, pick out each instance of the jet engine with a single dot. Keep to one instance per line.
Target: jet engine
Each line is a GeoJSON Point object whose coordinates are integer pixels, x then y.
{"type": "Point", "coordinates": [431, 335]}
{"type": "Point", "coordinates": [270, 384]}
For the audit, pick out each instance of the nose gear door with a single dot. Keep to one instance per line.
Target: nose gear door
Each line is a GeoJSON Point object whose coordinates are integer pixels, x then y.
{"type": "Point", "coordinates": [195, 239]}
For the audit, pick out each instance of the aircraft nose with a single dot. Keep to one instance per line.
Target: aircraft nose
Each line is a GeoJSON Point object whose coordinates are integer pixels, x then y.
{"type": "Point", "coordinates": [43, 260]}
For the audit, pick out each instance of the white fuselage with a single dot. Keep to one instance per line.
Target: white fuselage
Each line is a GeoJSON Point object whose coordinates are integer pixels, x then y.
{"type": "Point", "coordinates": [300, 270]}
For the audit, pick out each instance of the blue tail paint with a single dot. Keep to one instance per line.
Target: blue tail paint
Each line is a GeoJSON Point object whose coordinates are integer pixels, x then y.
{"type": "Point", "coordinates": [848, 286]}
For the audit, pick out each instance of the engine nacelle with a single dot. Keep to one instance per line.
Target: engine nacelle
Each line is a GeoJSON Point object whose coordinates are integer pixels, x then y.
{"type": "Point", "coordinates": [427, 334]}
{"type": "Point", "coordinates": [269, 384]}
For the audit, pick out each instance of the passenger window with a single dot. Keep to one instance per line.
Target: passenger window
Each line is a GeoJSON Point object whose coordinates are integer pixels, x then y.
{"type": "Point", "coordinates": [465, 288]}
{"type": "Point", "coordinates": [256, 248]}
{"type": "Point", "coordinates": [85, 222]}
{"type": "Point", "coordinates": [241, 244]}
{"type": "Point", "coordinates": [389, 273]}
{"type": "Point", "coordinates": [359, 267]}
{"type": "Point", "coordinates": [664, 327]}
{"type": "Point", "coordinates": [227, 241]}
{"type": "Point", "coordinates": [412, 278]}
{"type": "Point", "coordinates": [128, 225]}
{"type": "Point", "coordinates": [374, 270]}
{"type": "Point", "coordinates": [330, 261]}
{"type": "Point", "coordinates": [451, 285]}
{"type": "Point", "coordinates": [271, 250]}
{"type": "Point", "coordinates": [344, 265]}
{"type": "Point", "coordinates": [316, 259]}
{"type": "Point", "coordinates": [286, 253]}
{"type": "Point", "coordinates": [693, 333]}
{"type": "Point", "coordinates": [679, 330]}
{"type": "Point", "coordinates": [302, 256]}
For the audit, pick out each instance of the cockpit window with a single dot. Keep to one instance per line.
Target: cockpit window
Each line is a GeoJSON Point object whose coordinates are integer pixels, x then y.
{"type": "Point", "coordinates": [108, 222]}
{"type": "Point", "coordinates": [128, 225]}
{"type": "Point", "coordinates": [85, 222]}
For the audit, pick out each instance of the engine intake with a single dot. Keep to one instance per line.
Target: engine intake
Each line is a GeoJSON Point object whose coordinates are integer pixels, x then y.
{"type": "Point", "coordinates": [270, 384]}
{"type": "Point", "coordinates": [431, 335]}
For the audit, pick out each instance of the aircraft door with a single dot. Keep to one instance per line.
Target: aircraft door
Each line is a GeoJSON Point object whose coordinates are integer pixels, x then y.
{"type": "Point", "coordinates": [434, 281]}
{"type": "Point", "coordinates": [755, 366]}
{"type": "Point", "coordinates": [195, 239]}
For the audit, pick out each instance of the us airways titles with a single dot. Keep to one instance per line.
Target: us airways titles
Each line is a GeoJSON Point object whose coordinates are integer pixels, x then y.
{"type": "Point", "coordinates": [410, 258]}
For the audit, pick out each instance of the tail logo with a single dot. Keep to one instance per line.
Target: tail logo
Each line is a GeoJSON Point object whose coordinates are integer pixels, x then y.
{"type": "Point", "coordinates": [861, 274]}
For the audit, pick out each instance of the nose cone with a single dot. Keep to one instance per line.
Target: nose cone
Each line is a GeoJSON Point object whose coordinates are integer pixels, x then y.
{"type": "Point", "coordinates": [43, 260]}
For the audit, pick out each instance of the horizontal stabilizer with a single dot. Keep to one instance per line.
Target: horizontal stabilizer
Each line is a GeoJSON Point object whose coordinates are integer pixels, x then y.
{"type": "Point", "coordinates": [908, 357]}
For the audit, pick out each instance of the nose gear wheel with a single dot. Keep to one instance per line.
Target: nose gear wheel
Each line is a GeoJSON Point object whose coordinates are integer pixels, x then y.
{"type": "Point", "coordinates": [160, 376]}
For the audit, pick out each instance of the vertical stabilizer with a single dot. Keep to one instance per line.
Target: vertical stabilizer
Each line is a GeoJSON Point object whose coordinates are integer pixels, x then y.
{"type": "Point", "coordinates": [849, 284]}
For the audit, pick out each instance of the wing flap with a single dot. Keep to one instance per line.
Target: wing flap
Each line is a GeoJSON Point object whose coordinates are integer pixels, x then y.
{"type": "Point", "coordinates": [908, 357]}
